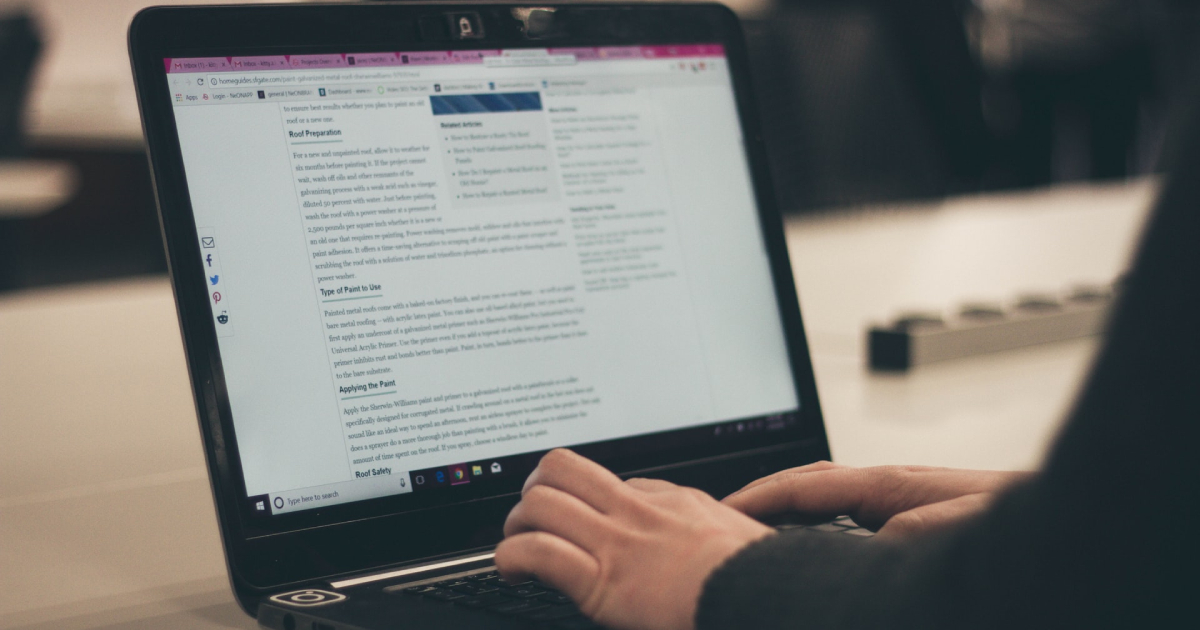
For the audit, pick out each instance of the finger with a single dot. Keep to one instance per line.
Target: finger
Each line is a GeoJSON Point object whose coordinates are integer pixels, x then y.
{"type": "Point", "coordinates": [663, 495]}
{"type": "Point", "coordinates": [813, 467]}
{"type": "Point", "coordinates": [555, 512]}
{"type": "Point", "coordinates": [650, 485]}
{"type": "Point", "coordinates": [553, 560]}
{"type": "Point", "coordinates": [831, 491]}
{"type": "Point", "coordinates": [870, 495]}
{"type": "Point", "coordinates": [936, 516]}
{"type": "Point", "coordinates": [578, 476]}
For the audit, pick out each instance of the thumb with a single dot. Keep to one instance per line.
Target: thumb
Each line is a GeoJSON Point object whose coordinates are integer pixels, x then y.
{"type": "Point", "coordinates": [936, 516]}
{"type": "Point", "coordinates": [829, 491]}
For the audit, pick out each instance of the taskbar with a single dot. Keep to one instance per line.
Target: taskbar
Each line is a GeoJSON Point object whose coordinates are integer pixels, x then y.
{"type": "Point", "coordinates": [478, 478]}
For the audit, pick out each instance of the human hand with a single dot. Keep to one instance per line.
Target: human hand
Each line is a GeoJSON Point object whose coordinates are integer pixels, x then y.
{"type": "Point", "coordinates": [631, 554]}
{"type": "Point", "coordinates": [894, 500]}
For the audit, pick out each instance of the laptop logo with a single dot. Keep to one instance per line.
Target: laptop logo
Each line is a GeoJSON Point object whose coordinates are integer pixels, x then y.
{"type": "Point", "coordinates": [306, 598]}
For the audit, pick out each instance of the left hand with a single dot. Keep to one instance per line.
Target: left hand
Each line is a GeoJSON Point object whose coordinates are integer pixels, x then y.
{"type": "Point", "coordinates": [632, 554]}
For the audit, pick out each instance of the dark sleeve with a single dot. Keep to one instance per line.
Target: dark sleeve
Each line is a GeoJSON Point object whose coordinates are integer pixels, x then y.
{"type": "Point", "coordinates": [1101, 538]}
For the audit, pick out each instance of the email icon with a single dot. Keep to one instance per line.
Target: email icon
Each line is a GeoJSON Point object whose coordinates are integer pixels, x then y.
{"type": "Point", "coordinates": [208, 242]}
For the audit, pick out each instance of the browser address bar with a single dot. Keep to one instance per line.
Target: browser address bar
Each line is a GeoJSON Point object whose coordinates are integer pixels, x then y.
{"type": "Point", "coordinates": [234, 80]}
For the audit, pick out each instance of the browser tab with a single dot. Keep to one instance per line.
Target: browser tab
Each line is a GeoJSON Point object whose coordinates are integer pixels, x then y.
{"type": "Point", "coordinates": [368, 60]}
{"type": "Point", "coordinates": [258, 63]}
{"type": "Point", "coordinates": [316, 61]}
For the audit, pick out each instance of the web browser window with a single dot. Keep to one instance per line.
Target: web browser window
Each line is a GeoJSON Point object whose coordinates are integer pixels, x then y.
{"type": "Point", "coordinates": [420, 263]}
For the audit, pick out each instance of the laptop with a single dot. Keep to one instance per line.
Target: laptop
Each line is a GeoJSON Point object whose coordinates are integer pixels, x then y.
{"type": "Point", "coordinates": [415, 246]}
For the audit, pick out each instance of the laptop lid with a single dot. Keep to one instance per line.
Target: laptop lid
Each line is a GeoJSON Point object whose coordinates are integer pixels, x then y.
{"type": "Point", "coordinates": [414, 247]}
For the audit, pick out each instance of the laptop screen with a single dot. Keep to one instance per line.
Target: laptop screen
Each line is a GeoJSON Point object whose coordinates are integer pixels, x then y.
{"type": "Point", "coordinates": [423, 265]}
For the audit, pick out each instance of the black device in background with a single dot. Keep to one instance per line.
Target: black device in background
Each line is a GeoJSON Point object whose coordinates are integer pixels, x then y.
{"type": "Point", "coordinates": [868, 101]}
{"type": "Point", "coordinates": [19, 48]}
{"type": "Point", "coordinates": [106, 228]}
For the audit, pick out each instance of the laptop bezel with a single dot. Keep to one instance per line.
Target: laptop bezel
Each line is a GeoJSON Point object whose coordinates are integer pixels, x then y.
{"type": "Point", "coordinates": [264, 564]}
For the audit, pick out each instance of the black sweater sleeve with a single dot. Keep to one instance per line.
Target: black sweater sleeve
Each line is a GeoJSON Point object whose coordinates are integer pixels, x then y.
{"type": "Point", "coordinates": [1099, 539]}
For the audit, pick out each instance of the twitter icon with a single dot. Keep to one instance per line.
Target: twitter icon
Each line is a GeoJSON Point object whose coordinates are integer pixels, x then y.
{"type": "Point", "coordinates": [214, 279]}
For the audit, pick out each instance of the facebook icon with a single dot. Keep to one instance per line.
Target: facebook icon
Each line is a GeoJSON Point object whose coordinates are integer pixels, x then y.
{"type": "Point", "coordinates": [208, 259]}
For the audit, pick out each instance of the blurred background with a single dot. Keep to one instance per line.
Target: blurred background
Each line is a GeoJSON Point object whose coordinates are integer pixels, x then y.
{"type": "Point", "coordinates": [866, 102]}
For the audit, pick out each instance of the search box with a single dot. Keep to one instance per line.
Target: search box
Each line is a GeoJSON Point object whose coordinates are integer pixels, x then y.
{"type": "Point", "coordinates": [529, 61]}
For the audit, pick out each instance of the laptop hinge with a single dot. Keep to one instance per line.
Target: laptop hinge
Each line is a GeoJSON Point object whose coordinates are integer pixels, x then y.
{"type": "Point", "coordinates": [415, 573]}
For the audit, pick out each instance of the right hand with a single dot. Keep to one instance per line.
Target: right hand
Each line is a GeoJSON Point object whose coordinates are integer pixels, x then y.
{"type": "Point", "coordinates": [893, 500]}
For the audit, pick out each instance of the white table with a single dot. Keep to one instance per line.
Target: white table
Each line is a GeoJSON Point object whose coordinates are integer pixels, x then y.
{"type": "Point", "coordinates": [105, 513]}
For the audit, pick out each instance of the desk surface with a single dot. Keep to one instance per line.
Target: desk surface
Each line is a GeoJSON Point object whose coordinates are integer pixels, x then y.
{"type": "Point", "coordinates": [105, 513]}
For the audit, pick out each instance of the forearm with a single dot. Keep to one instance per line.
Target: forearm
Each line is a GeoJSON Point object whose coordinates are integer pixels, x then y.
{"type": "Point", "coordinates": [1041, 558]}
{"type": "Point", "coordinates": [802, 579]}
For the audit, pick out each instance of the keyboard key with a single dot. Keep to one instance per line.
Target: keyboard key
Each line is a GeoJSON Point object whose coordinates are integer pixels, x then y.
{"type": "Point", "coordinates": [482, 576]}
{"type": "Point", "coordinates": [420, 590]}
{"type": "Point", "coordinates": [451, 583]}
{"type": "Point", "coordinates": [518, 607]}
{"type": "Point", "coordinates": [826, 527]}
{"type": "Point", "coordinates": [482, 601]}
{"type": "Point", "coordinates": [475, 588]}
{"type": "Point", "coordinates": [443, 595]}
{"type": "Point", "coordinates": [555, 598]}
{"type": "Point", "coordinates": [502, 582]}
{"type": "Point", "coordinates": [858, 531]}
{"type": "Point", "coordinates": [524, 592]}
{"type": "Point", "coordinates": [845, 521]}
{"type": "Point", "coordinates": [576, 623]}
{"type": "Point", "coordinates": [555, 613]}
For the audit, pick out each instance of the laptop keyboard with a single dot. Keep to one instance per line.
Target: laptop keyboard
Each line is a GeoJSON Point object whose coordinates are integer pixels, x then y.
{"type": "Point", "coordinates": [540, 603]}
{"type": "Point", "coordinates": [530, 600]}
{"type": "Point", "coordinates": [839, 525]}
